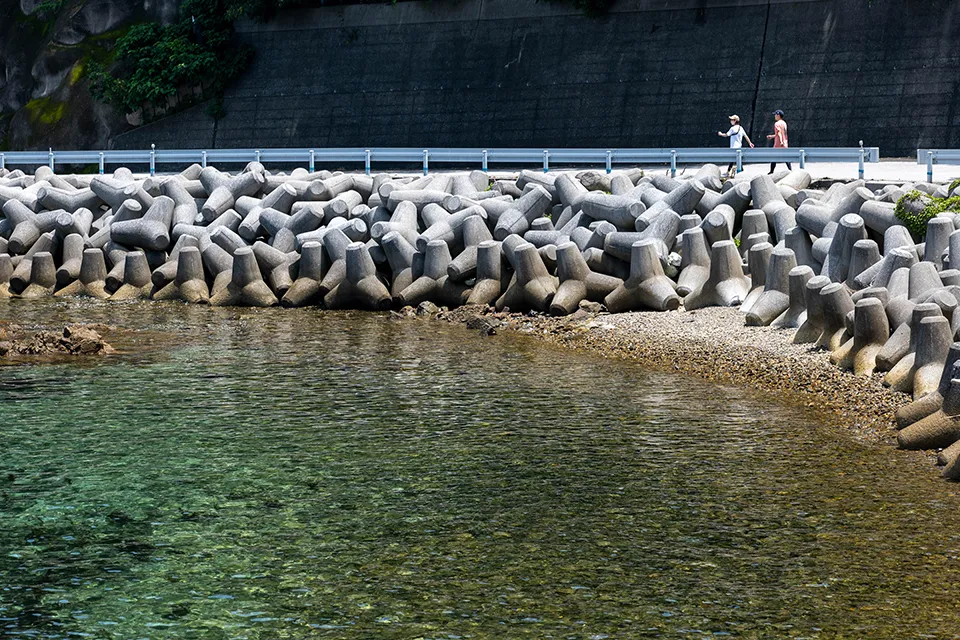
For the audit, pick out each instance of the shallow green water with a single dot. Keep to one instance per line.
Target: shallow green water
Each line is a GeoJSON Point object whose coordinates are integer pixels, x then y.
{"type": "Point", "coordinates": [288, 474]}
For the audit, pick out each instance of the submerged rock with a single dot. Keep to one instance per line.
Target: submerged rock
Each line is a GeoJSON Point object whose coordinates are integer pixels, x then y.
{"type": "Point", "coordinates": [77, 340]}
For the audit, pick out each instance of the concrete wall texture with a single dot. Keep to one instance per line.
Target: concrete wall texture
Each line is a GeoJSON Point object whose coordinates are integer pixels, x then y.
{"type": "Point", "coordinates": [653, 73]}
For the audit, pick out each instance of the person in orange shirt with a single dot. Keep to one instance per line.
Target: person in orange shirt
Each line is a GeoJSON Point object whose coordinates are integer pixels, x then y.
{"type": "Point", "coordinates": [779, 136]}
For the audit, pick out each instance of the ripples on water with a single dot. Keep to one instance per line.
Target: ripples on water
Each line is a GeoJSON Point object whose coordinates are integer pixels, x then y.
{"type": "Point", "coordinates": [291, 474]}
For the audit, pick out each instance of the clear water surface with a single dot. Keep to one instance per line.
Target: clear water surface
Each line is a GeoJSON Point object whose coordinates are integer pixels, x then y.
{"type": "Point", "coordinates": [295, 474]}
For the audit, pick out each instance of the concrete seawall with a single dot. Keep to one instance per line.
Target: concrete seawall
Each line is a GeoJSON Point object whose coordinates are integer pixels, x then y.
{"type": "Point", "coordinates": [650, 74]}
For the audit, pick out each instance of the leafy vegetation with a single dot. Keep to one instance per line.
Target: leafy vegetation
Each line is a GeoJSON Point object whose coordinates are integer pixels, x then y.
{"type": "Point", "coordinates": [48, 9]}
{"type": "Point", "coordinates": [915, 209]}
{"type": "Point", "coordinates": [153, 62]}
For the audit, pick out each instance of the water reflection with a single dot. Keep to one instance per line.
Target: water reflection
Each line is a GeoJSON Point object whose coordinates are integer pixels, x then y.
{"type": "Point", "coordinates": [290, 474]}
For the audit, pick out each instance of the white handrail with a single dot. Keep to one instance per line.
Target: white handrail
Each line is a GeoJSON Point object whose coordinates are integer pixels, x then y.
{"type": "Point", "coordinates": [479, 157]}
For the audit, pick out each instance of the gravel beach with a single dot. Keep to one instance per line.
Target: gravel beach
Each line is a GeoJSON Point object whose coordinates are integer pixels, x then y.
{"type": "Point", "coordinates": [713, 344]}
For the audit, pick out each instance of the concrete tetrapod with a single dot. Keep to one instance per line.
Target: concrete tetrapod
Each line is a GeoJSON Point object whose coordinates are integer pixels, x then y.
{"type": "Point", "coordinates": [532, 286]}
{"type": "Point", "coordinates": [571, 192]}
{"type": "Point", "coordinates": [682, 200]}
{"type": "Point", "coordinates": [489, 285]}
{"type": "Point", "coordinates": [737, 197]}
{"type": "Point", "coordinates": [758, 259]}
{"type": "Point", "coordinates": [246, 287]}
{"type": "Point", "coordinates": [850, 229]}
{"type": "Point", "coordinates": [933, 344]}
{"type": "Point", "coordinates": [716, 226]}
{"type": "Point", "coordinates": [754, 221]}
{"type": "Point", "coordinates": [43, 276]}
{"type": "Point", "coordinates": [361, 288]}
{"type": "Point", "coordinates": [620, 211]}
{"type": "Point", "coordinates": [775, 298]}
{"type": "Point", "coordinates": [878, 274]}
{"type": "Point", "coordinates": [900, 376]}
{"type": "Point", "coordinates": [92, 281]}
{"type": "Point", "coordinates": [933, 401]}
{"type": "Point", "coordinates": [647, 287]}
{"type": "Point", "coordinates": [152, 231]}
{"type": "Point", "coordinates": [879, 216]}
{"type": "Point", "coordinates": [450, 229]}
{"type": "Point", "coordinates": [798, 240]}
{"type": "Point", "coordinates": [796, 312]}
{"type": "Point", "coordinates": [937, 240]}
{"type": "Point", "coordinates": [528, 208]}
{"type": "Point", "coordinates": [188, 283]}
{"type": "Point", "coordinates": [662, 230]}
{"type": "Point", "coordinates": [21, 274]}
{"type": "Point", "coordinates": [937, 430]}
{"type": "Point", "coordinates": [835, 304]}
{"type": "Point", "coordinates": [276, 265]}
{"type": "Point", "coordinates": [435, 284]}
{"type": "Point", "coordinates": [305, 289]}
{"type": "Point", "coordinates": [870, 331]}
{"type": "Point", "coordinates": [335, 243]}
{"type": "Point", "coordinates": [136, 277]}
{"type": "Point", "coordinates": [695, 261]}
{"type": "Point", "coordinates": [165, 273]}
{"type": "Point", "coordinates": [903, 340]}
{"type": "Point", "coordinates": [473, 230]}
{"type": "Point", "coordinates": [400, 256]}
{"type": "Point", "coordinates": [865, 254]}
{"type": "Point", "coordinates": [6, 270]}
{"type": "Point", "coordinates": [814, 216]}
{"type": "Point", "coordinates": [578, 282]}
{"type": "Point", "coordinates": [72, 256]}
{"type": "Point", "coordinates": [726, 286]}
{"type": "Point", "coordinates": [79, 222]}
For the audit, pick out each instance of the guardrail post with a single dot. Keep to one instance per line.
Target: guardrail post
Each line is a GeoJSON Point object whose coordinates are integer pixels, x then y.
{"type": "Point", "coordinates": [51, 158]}
{"type": "Point", "coordinates": [929, 166]}
{"type": "Point", "coordinates": [609, 161]}
{"type": "Point", "coordinates": [3, 162]}
{"type": "Point", "coordinates": [203, 160]}
{"type": "Point", "coordinates": [256, 155]}
{"type": "Point", "coordinates": [367, 161]}
{"type": "Point", "coordinates": [803, 159]}
{"type": "Point", "coordinates": [153, 159]}
{"type": "Point", "coordinates": [546, 161]}
{"type": "Point", "coordinates": [426, 161]}
{"type": "Point", "coordinates": [860, 170]}
{"type": "Point", "coordinates": [311, 161]}
{"type": "Point", "coordinates": [673, 163]}
{"type": "Point", "coordinates": [739, 160]}
{"type": "Point", "coordinates": [101, 163]}
{"type": "Point", "coordinates": [484, 160]}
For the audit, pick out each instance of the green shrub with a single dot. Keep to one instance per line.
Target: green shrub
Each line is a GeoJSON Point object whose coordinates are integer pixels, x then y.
{"type": "Point", "coordinates": [153, 62]}
{"type": "Point", "coordinates": [916, 218]}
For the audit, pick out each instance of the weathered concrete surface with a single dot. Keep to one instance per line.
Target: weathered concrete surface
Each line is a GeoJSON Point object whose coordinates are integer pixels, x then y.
{"type": "Point", "coordinates": [509, 73]}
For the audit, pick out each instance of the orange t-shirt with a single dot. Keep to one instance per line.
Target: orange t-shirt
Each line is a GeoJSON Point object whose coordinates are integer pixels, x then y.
{"type": "Point", "coordinates": [780, 134]}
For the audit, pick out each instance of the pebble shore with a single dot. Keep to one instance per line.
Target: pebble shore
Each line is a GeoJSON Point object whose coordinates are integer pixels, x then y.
{"type": "Point", "coordinates": [712, 344]}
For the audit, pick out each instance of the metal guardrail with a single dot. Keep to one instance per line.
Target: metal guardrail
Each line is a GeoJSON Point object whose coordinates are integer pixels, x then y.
{"type": "Point", "coordinates": [931, 157]}
{"type": "Point", "coordinates": [476, 157]}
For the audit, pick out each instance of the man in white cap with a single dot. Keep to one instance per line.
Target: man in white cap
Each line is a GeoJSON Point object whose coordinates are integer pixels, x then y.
{"type": "Point", "coordinates": [737, 135]}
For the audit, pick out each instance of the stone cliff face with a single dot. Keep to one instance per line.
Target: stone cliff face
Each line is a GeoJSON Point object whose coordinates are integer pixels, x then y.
{"type": "Point", "coordinates": [45, 48]}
